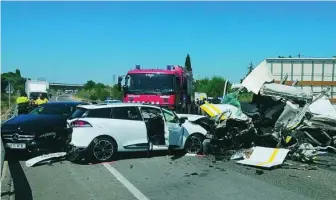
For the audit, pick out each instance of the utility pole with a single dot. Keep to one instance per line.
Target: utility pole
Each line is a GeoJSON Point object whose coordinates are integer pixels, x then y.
{"type": "Point", "coordinates": [9, 93]}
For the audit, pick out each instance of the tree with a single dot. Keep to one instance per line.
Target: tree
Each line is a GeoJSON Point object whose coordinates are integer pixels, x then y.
{"type": "Point", "coordinates": [213, 87]}
{"type": "Point", "coordinates": [188, 63]}
{"type": "Point", "coordinates": [18, 73]}
{"type": "Point", "coordinates": [89, 85]}
{"type": "Point", "coordinates": [250, 69]}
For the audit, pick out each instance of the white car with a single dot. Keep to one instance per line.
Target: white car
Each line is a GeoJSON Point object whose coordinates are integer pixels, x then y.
{"type": "Point", "coordinates": [112, 101]}
{"type": "Point", "coordinates": [100, 131]}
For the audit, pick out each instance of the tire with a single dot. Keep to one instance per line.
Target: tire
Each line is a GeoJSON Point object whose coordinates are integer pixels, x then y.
{"type": "Point", "coordinates": [102, 149]}
{"type": "Point", "coordinates": [194, 144]}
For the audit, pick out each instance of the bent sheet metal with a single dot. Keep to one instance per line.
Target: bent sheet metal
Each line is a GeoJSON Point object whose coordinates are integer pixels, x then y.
{"type": "Point", "coordinates": [265, 157]}
{"type": "Point", "coordinates": [38, 159]}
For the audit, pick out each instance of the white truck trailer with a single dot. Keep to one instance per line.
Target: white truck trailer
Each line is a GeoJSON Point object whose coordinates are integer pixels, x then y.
{"type": "Point", "coordinates": [34, 88]}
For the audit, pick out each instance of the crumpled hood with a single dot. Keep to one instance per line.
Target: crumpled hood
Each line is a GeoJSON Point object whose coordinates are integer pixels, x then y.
{"type": "Point", "coordinates": [191, 117]}
{"type": "Point", "coordinates": [35, 123]}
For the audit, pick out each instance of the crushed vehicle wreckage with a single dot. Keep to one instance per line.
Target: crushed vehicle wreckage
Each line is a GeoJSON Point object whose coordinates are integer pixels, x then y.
{"type": "Point", "coordinates": [284, 118]}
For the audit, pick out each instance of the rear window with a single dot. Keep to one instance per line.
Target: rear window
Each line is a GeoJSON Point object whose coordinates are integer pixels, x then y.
{"type": "Point", "coordinates": [99, 113]}
{"type": "Point", "coordinates": [51, 109]}
{"type": "Point", "coordinates": [78, 113]}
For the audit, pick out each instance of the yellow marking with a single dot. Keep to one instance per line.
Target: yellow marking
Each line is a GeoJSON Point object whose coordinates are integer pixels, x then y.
{"type": "Point", "coordinates": [207, 110]}
{"type": "Point", "coordinates": [218, 111]}
{"type": "Point", "coordinates": [223, 117]}
{"type": "Point", "coordinates": [288, 139]}
{"type": "Point", "coordinates": [274, 153]}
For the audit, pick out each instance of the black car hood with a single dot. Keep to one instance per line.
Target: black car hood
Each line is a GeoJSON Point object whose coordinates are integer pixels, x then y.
{"type": "Point", "coordinates": [35, 123]}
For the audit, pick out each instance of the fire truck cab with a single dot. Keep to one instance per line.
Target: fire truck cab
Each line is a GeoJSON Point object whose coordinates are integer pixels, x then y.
{"type": "Point", "coordinates": [170, 87]}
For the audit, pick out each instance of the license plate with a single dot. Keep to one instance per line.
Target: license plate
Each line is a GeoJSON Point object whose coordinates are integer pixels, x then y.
{"type": "Point", "coordinates": [16, 145]}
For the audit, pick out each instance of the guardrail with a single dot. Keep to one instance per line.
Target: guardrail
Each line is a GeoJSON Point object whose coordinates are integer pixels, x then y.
{"type": "Point", "coordinates": [13, 112]}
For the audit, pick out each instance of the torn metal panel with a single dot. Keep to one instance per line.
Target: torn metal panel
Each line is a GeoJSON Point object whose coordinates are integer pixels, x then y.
{"type": "Point", "coordinates": [286, 91]}
{"type": "Point", "coordinates": [322, 122]}
{"type": "Point", "coordinates": [229, 111]}
{"type": "Point", "coordinates": [323, 107]}
{"type": "Point", "coordinates": [289, 112]}
{"type": "Point", "coordinates": [257, 78]}
{"type": "Point", "coordinates": [33, 161]}
{"type": "Point", "coordinates": [306, 153]}
{"type": "Point", "coordinates": [265, 157]}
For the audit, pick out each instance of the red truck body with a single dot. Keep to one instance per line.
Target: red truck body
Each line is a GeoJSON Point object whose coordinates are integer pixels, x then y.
{"type": "Point", "coordinates": [163, 87]}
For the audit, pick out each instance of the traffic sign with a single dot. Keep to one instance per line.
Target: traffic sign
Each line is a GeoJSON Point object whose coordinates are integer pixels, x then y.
{"type": "Point", "coordinates": [9, 89]}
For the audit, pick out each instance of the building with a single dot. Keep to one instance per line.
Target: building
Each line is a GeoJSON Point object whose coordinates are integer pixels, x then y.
{"type": "Point", "coordinates": [315, 73]}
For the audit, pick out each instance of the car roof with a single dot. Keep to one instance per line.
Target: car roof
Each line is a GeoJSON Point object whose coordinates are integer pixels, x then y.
{"type": "Point", "coordinates": [74, 103]}
{"type": "Point", "coordinates": [115, 105]}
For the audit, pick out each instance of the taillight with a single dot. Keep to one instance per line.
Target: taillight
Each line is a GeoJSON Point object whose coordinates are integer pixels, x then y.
{"type": "Point", "coordinates": [80, 123]}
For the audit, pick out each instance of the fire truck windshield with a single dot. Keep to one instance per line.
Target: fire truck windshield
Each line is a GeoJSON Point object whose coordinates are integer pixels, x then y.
{"type": "Point", "coordinates": [162, 83]}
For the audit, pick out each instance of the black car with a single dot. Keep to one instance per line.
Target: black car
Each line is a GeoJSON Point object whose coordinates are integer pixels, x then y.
{"type": "Point", "coordinates": [44, 129]}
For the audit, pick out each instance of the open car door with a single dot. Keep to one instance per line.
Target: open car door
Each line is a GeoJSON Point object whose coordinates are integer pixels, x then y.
{"type": "Point", "coordinates": [173, 129]}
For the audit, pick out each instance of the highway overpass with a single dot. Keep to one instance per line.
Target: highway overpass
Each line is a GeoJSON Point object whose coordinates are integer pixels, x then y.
{"type": "Point", "coordinates": [65, 86]}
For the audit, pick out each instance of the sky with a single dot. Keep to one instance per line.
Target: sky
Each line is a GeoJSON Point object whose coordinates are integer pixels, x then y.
{"type": "Point", "coordinates": [73, 42]}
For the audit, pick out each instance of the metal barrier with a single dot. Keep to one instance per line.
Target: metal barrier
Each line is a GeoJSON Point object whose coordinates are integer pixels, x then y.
{"type": "Point", "coordinates": [7, 116]}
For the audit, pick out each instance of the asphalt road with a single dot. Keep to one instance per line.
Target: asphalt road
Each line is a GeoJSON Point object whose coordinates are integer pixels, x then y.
{"type": "Point", "coordinates": [62, 98]}
{"type": "Point", "coordinates": [168, 178]}
{"type": "Point", "coordinates": [165, 177]}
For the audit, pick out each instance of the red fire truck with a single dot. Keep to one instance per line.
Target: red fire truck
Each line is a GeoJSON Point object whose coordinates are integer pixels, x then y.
{"type": "Point", "coordinates": [170, 87]}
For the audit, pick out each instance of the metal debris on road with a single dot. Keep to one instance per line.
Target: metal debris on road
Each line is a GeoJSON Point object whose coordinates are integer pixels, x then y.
{"type": "Point", "coordinates": [259, 172]}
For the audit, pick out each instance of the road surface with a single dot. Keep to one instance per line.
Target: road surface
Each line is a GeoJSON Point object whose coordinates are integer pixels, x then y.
{"type": "Point", "coordinates": [166, 177]}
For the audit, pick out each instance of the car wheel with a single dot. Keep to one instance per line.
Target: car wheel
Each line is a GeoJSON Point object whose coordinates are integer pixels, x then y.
{"type": "Point", "coordinates": [194, 144]}
{"type": "Point", "coordinates": [102, 149]}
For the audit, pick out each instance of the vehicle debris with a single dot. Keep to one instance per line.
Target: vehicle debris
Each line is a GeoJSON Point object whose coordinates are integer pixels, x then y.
{"type": "Point", "coordinates": [282, 122]}
{"type": "Point", "coordinates": [259, 172]}
{"type": "Point", "coordinates": [43, 158]}
{"type": "Point", "coordinates": [265, 157]}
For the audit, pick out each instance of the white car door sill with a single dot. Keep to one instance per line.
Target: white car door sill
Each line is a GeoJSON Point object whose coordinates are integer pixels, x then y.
{"type": "Point", "coordinates": [160, 147]}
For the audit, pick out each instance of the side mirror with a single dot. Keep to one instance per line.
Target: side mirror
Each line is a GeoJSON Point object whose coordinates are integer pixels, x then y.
{"type": "Point", "coordinates": [182, 120]}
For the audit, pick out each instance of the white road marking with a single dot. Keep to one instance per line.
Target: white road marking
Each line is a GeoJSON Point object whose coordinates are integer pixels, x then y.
{"type": "Point", "coordinates": [57, 98]}
{"type": "Point", "coordinates": [136, 193]}
{"type": "Point", "coordinates": [4, 170]}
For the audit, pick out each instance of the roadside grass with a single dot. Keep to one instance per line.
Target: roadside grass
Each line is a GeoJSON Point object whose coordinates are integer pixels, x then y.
{"type": "Point", "coordinates": [5, 104]}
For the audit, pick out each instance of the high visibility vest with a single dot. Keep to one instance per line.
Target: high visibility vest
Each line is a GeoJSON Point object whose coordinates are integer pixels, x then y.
{"type": "Point", "coordinates": [40, 101]}
{"type": "Point", "coordinates": [22, 99]}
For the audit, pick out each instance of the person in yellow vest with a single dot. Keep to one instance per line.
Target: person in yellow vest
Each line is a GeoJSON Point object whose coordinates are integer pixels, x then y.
{"type": "Point", "coordinates": [22, 98]}
{"type": "Point", "coordinates": [22, 103]}
{"type": "Point", "coordinates": [41, 100]}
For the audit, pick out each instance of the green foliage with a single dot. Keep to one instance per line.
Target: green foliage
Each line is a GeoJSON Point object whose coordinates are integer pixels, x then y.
{"type": "Point", "coordinates": [213, 87]}
{"type": "Point", "coordinates": [14, 78]}
{"type": "Point", "coordinates": [99, 92]}
{"type": "Point", "coordinates": [89, 85]}
{"type": "Point", "coordinates": [188, 63]}
{"type": "Point", "coordinates": [5, 103]}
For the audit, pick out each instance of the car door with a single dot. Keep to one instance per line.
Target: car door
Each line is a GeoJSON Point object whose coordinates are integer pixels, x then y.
{"type": "Point", "coordinates": [160, 131]}
{"type": "Point", "coordinates": [129, 128]}
{"type": "Point", "coordinates": [174, 129]}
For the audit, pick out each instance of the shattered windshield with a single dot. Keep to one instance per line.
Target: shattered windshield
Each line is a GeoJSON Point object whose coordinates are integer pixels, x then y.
{"type": "Point", "coordinates": [148, 83]}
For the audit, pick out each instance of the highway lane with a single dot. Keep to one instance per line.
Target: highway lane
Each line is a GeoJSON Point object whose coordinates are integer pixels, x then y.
{"type": "Point", "coordinates": [168, 178]}
{"type": "Point", "coordinates": [62, 98]}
